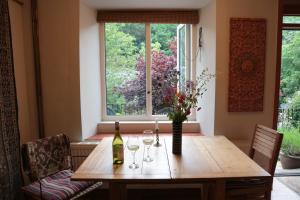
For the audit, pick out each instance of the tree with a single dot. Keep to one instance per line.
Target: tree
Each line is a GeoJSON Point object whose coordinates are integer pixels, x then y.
{"type": "Point", "coordinates": [120, 61]}
{"type": "Point", "coordinates": [295, 112]}
{"type": "Point", "coordinates": [134, 91]}
{"type": "Point", "coordinates": [164, 35]}
{"type": "Point", "coordinates": [135, 30]}
{"type": "Point", "coordinates": [290, 72]}
{"type": "Point", "coordinates": [125, 63]}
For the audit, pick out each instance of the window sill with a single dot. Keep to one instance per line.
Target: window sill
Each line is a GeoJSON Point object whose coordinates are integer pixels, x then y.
{"type": "Point", "coordinates": [139, 126]}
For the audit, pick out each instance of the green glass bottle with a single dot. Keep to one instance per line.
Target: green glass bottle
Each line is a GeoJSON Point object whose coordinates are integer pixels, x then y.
{"type": "Point", "coordinates": [117, 145]}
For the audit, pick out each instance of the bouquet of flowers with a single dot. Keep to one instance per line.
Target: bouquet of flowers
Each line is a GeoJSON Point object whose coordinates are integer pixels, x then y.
{"type": "Point", "coordinates": [181, 100]}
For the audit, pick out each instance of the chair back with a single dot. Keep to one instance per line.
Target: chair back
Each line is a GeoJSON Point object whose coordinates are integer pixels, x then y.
{"type": "Point", "coordinates": [267, 142]}
{"type": "Point", "coordinates": [46, 156]}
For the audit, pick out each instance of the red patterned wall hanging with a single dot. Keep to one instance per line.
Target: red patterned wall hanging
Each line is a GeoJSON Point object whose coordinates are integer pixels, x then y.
{"type": "Point", "coordinates": [247, 65]}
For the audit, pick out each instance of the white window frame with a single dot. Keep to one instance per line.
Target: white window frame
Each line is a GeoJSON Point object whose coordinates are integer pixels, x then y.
{"type": "Point", "coordinates": [148, 117]}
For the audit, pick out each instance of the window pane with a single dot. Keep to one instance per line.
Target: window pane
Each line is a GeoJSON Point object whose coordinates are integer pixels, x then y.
{"type": "Point", "coordinates": [291, 19]}
{"type": "Point", "coordinates": [164, 62]}
{"type": "Point", "coordinates": [181, 55]}
{"type": "Point", "coordinates": [125, 69]}
{"type": "Point", "coordinates": [289, 101]}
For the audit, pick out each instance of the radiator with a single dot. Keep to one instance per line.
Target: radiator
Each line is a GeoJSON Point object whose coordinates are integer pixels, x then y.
{"type": "Point", "coordinates": [80, 151]}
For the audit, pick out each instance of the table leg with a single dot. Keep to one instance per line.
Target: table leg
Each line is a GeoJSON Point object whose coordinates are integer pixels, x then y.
{"type": "Point", "coordinates": [117, 191]}
{"type": "Point", "coordinates": [220, 190]}
{"type": "Point", "coordinates": [269, 189]}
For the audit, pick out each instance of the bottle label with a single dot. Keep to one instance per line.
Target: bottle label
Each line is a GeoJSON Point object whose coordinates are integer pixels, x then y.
{"type": "Point", "coordinates": [118, 152]}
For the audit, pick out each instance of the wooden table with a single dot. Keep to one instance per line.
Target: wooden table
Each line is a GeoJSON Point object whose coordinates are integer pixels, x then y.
{"type": "Point", "coordinates": [204, 160]}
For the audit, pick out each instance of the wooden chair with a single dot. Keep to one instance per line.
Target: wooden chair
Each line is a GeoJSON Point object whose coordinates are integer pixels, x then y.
{"type": "Point", "coordinates": [265, 144]}
{"type": "Point", "coordinates": [48, 164]}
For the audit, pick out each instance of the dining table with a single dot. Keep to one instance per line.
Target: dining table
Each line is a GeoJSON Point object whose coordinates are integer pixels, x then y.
{"type": "Point", "coordinates": [207, 160]}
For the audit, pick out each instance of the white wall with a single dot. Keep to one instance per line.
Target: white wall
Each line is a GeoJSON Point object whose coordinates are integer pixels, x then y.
{"type": "Point", "coordinates": [89, 71]}
{"type": "Point", "coordinates": [207, 59]}
{"type": "Point", "coordinates": [59, 48]}
{"type": "Point", "coordinates": [69, 47]}
{"type": "Point", "coordinates": [241, 125]}
{"type": "Point", "coordinates": [20, 19]}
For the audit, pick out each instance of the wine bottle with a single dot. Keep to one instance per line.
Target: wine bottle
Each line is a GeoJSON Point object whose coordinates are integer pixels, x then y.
{"type": "Point", "coordinates": [117, 145]}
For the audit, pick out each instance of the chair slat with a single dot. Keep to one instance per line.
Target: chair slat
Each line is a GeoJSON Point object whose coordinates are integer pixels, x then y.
{"type": "Point", "coordinates": [265, 142]}
{"type": "Point", "coordinates": [263, 145]}
{"type": "Point", "coordinates": [263, 150]}
{"type": "Point", "coordinates": [261, 135]}
{"type": "Point", "coordinates": [267, 129]}
{"type": "Point", "coordinates": [267, 134]}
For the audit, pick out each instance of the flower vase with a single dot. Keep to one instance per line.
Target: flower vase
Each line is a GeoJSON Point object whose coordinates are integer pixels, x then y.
{"type": "Point", "coordinates": [177, 137]}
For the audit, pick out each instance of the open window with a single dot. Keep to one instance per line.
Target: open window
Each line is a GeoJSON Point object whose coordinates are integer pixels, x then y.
{"type": "Point", "coordinates": [137, 57]}
{"type": "Point", "coordinates": [184, 49]}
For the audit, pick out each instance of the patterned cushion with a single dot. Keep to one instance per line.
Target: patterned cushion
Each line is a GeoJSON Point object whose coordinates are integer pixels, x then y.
{"type": "Point", "coordinates": [57, 186]}
{"type": "Point", "coordinates": [46, 156]}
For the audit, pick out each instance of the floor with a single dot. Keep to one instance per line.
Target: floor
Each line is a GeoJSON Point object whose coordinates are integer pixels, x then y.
{"type": "Point", "coordinates": [282, 192]}
{"type": "Point", "coordinates": [287, 184]}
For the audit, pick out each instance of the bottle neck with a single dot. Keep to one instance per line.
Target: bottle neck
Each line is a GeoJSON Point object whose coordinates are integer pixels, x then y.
{"type": "Point", "coordinates": [117, 132]}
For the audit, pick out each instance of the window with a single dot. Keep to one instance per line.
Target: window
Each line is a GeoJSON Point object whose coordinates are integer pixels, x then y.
{"type": "Point", "coordinates": [291, 19]}
{"type": "Point", "coordinates": [137, 57]}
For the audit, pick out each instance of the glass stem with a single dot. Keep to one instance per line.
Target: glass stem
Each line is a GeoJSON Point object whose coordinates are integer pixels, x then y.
{"type": "Point", "coordinates": [148, 148]}
{"type": "Point", "coordinates": [133, 155]}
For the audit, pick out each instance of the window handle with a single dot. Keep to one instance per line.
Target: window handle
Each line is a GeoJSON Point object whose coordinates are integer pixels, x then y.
{"type": "Point", "coordinates": [148, 92]}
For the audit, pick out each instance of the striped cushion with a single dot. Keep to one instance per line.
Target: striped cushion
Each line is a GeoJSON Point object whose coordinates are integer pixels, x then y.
{"type": "Point", "coordinates": [57, 186]}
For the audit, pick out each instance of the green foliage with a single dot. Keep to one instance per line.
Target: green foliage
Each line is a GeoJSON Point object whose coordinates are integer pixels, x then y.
{"type": "Point", "coordinates": [120, 50]}
{"type": "Point", "coordinates": [163, 34]}
{"type": "Point", "coordinates": [290, 89]}
{"type": "Point", "coordinates": [182, 102]}
{"type": "Point", "coordinates": [135, 30]}
{"type": "Point", "coordinates": [294, 104]}
{"type": "Point", "coordinates": [291, 19]}
{"type": "Point", "coordinates": [291, 141]}
{"type": "Point", "coordinates": [290, 72]}
{"type": "Point", "coordinates": [124, 45]}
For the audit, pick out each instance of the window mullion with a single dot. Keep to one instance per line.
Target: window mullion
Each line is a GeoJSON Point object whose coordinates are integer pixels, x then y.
{"type": "Point", "coordinates": [102, 70]}
{"type": "Point", "coordinates": [148, 71]}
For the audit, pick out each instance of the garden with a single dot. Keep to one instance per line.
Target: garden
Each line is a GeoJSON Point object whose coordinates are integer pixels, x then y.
{"type": "Point", "coordinates": [126, 66]}
{"type": "Point", "coordinates": [289, 110]}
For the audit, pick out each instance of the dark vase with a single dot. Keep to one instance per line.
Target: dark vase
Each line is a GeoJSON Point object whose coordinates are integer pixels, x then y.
{"type": "Point", "coordinates": [177, 137]}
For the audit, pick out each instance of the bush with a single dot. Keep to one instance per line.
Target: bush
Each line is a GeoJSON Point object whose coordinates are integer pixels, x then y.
{"type": "Point", "coordinates": [134, 91]}
{"type": "Point", "coordinates": [291, 141]}
{"type": "Point", "coordinates": [295, 105]}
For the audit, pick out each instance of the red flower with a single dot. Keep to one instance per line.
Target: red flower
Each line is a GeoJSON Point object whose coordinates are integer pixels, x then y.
{"type": "Point", "coordinates": [181, 98]}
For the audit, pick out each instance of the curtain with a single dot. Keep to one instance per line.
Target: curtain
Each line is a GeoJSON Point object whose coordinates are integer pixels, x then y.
{"type": "Point", "coordinates": [10, 175]}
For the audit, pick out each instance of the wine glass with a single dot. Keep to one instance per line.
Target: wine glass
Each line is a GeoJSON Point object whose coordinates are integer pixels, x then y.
{"type": "Point", "coordinates": [148, 139]}
{"type": "Point", "coordinates": [133, 145]}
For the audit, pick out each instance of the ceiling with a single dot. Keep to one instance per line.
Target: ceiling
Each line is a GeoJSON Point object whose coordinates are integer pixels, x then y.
{"type": "Point", "coordinates": [146, 4]}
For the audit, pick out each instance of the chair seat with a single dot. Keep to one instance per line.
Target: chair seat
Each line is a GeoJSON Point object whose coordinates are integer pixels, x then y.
{"type": "Point", "coordinates": [57, 187]}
